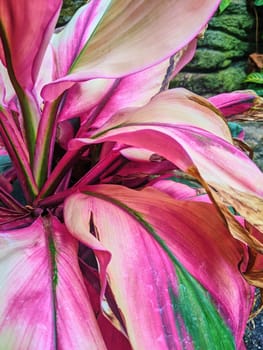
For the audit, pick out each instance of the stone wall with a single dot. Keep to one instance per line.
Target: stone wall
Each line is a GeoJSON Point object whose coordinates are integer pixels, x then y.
{"type": "Point", "coordinates": [220, 62]}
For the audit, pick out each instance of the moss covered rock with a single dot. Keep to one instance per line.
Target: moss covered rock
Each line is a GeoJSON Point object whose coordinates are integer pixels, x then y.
{"type": "Point", "coordinates": [68, 9]}
{"type": "Point", "coordinates": [210, 83]}
{"type": "Point", "coordinates": [220, 62]}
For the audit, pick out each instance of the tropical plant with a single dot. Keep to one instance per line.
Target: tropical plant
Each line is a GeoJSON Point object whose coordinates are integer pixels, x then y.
{"type": "Point", "coordinates": [116, 228]}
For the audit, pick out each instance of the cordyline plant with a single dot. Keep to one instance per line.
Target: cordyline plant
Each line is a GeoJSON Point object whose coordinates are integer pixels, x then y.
{"type": "Point", "coordinates": [129, 220]}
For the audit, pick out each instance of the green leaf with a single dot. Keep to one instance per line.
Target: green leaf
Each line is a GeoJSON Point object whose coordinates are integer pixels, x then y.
{"type": "Point", "coordinates": [42, 291]}
{"type": "Point", "coordinates": [258, 2]}
{"type": "Point", "coordinates": [255, 87]}
{"type": "Point", "coordinates": [258, 91]}
{"type": "Point", "coordinates": [223, 5]}
{"type": "Point", "coordinates": [255, 77]}
{"type": "Point", "coordinates": [198, 326]}
{"type": "Point", "coordinates": [203, 312]}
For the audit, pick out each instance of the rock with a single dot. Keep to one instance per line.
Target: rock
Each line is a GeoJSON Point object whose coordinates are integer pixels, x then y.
{"type": "Point", "coordinates": [234, 21]}
{"type": "Point", "coordinates": [237, 20]}
{"type": "Point", "coordinates": [68, 9]}
{"type": "Point", "coordinates": [254, 336]}
{"type": "Point", "coordinates": [212, 83]}
{"type": "Point", "coordinates": [221, 41]}
{"type": "Point", "coordinates": [203, 61]}
{"type": "Point", "coordinates": [254, 138]}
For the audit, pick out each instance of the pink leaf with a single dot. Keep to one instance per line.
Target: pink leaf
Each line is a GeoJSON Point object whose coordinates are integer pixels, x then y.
{"type": "Point", "coordinates": [154, 30]}
{"type": "Point", "coordinates": [234, 102]}
{"type": "Point", "coordinates": [174, 107]}
{"type": "Point", "coordinates": [187, 147]}
{"type": "Point", "coordinates": [186, 56]}
{"type": "Point", "coordinates": [25, 32]}
{"type": "Point", "coordinates": [180, 190]}
{"type": "Point", "coordinates": [189, 134]}
{"type": "Point", "coordinates": [101, 98]}
{"type": "Point", "coordinates": [208, 156]}
{"type": "Point", "coordinates": [7, 92]}
{"type": "Point", "coordinates": [70, 41]}
{"type": "Point", "coordinates": [141, 272]}
{"type": "Point", "coordinates": [44, 303]}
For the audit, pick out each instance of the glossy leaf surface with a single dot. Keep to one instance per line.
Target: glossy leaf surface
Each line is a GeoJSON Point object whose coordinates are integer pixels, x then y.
{"type": "Point", "coordinates": [44, 303]}
{"type": "Point", "coordinates": [25, 45]}
{"type": "Point", "coordinates": [127, 27]}
{"type": "Point", "coordinates": [148, 243]}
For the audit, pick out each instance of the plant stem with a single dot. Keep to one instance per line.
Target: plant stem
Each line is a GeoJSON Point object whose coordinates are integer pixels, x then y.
{"type": "Point", "coordinates": [96, 171]}
{"type": "Point", "coordinates": [45, 142]}
{"type": "Point", "coordinates": [65, 163]}
{"type": "Point", "coordinates": [17, 150]}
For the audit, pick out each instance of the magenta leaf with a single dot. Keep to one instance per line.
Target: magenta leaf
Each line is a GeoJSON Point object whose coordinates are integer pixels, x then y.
{"type": "Point", "coordinates": [24, 45]}
{"type": "Point", "coordinates": [209, 155]}
{"type": "Point", "coordinates": [97, 100]}
{"type": "Point", "coordinates": [44, 302]}
{"type": "Point", "coordinates": [233, 102]}
{"type": "Point", "coordinates": [146, 246]}
{"type": "Point", "coordinates": [23, 50]}
{"type": "Point", "coordinates": [107, 52]}
{"type": "Point", "coordinates": [117, 208]}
